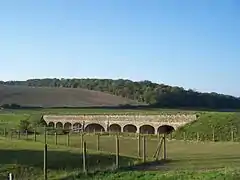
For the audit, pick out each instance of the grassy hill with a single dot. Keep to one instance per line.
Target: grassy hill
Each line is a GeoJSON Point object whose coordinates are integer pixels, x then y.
{"type": "Point", "coordinates": [214, 126]}
{"type": "Point", "coordinates": [157, 95]}
{"type": "Point", "coordinates": [57, 97]}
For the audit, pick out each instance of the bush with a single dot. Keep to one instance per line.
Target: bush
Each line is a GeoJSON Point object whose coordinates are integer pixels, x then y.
{"type": "Point", "coordinates": [24, 125]}
{"type": "Point", "coordinates": [33, 122]}
{"type": "Point", "coordinates": [37, 120]}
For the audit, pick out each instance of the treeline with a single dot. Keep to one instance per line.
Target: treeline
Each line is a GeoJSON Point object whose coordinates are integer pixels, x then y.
{"type": "Point", "coordinates": [156, 95]}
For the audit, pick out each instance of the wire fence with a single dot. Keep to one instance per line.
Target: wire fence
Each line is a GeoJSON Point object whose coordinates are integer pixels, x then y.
{"type": "Point", "coordinates": [122, 149]}
{"type": "Point", "coordinates": [109, 151]}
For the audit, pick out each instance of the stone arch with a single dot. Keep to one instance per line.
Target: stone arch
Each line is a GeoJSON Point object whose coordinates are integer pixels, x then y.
{"type": "Point", "coordinates": [165, 129]}
{"type": "Point", "coordinates": [67, 125]}
{"type": "Point", "coordinates": [130, 128]}
{"type": "Point", "coordinates": [77, 126]}
{"type": "Point", "coordinates": [114, 128]}
{"type": "Point", "coordinates": [94, 127]}
{"type": "Point", "coordinates": [51, 124]}
{"type": "Point", "coordinates": [147, 129]}
{"type": "Point", "coordinates": [59, 125]}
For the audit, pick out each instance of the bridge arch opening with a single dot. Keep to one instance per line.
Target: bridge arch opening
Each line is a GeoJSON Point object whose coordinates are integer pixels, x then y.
{"type": "Point", "coordinates": [51, 124]}
{"type": "Point", "coordinates": [130, 128]}
{"type": "Point", "coordinates": [77, 126]}
{"type": "Point", "coordinates": [59, 125]}
{"type": "Point", "coordinates": [165, 129]}
{"type": "Point", "coordinates": [147, 129]}
{"type": "Point", "coordinates": [114, 128]}
{"type": "Point", "coordinates": [94, 127]}
{"type": "Point", "coordinates": [67, 125]}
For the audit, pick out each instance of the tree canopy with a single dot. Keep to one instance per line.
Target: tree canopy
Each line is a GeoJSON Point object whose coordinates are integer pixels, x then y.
{"type": "Point", "coordinates": [156, 95]}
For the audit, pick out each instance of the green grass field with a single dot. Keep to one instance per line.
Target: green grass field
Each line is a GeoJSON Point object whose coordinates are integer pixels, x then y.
{"type": "Point", "coordinates": [186, 159]}
{"type": "Point", "coordinates": [25, 160]}
{"type": "Point", "coordinates": [190, 155]}
{"type": "Point", "coordinates": [171, 175]}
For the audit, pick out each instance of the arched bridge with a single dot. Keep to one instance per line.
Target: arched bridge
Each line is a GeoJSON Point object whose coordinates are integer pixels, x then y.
{"type": "Point", "coordinates": [146, 124]}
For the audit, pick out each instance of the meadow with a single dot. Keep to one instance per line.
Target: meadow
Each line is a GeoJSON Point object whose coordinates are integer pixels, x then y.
{"type": "Point", "coordinates": [186, 159]}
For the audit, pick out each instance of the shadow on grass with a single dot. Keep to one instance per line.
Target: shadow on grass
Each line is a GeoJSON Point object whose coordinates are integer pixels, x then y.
{"type": "Point", "coordinates": [17, 161]}
{"type": "Point", "coordinates": [162, 165]}
{"type": "Point", "coordinates": [148, 166]}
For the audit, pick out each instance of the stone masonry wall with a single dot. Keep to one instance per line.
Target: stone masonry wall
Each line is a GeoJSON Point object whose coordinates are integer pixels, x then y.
{"type": "Point", "coordinates": [137, 120]}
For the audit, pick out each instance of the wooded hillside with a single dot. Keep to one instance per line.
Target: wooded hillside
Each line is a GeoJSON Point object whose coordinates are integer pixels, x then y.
{"type": "Point", "coordinates": [159, 95]}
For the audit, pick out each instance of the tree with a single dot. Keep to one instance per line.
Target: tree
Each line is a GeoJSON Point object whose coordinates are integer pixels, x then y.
{"type": "Point", "coordinates": [25, 125]}
{"type": "Point", "coordinates": [36, 120]}
{"type": "Point", "coordinates": [158, 95]}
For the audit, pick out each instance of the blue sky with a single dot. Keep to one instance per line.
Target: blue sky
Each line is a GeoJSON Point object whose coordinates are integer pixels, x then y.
{"type": "Point", "coordinates": [192, 44]}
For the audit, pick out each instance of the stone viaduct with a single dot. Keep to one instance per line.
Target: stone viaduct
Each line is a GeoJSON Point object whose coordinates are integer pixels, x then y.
{"type": "Point", "coordinates": [146, 124]}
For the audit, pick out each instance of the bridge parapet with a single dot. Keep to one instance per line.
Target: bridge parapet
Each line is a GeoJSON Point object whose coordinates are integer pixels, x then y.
{"type": "Point", "coordinates": [153, 118]}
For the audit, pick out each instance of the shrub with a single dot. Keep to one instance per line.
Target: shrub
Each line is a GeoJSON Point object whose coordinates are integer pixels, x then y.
{"type": "Point", "coordinates": [25, 125]}
{"type": "Point", "coordinates": [37, 120]}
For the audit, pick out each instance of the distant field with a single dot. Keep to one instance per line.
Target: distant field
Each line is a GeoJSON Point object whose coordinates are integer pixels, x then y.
{"type": "Point", "coordinates": [58, 97]}
{"type": "Point", "coordinates": [10, 118]}
{"type": "Point", "coordinates": [94, 111]}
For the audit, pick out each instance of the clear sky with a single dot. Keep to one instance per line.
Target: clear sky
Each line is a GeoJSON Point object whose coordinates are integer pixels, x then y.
{"type": "Point", "coordinates": [192, 44]}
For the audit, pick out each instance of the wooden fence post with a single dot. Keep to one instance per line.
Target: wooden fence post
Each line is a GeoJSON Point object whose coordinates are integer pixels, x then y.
{"type": "Point", "coordinates": [213, 136]}
{"type": "Point", "coordinates": [35, 135]}
{"type": "Point", "coordinates": [139, 145]}
{"type": "Point", "coordinates": [232, 135]}
{"type": "Point", "coordinates": [55, 138]}
{"type": "Point", "coordinates": [82, 140]}
{"type": "Point", "coordinates": [45, 162]}
{"type": "Point", "coordinates": [19, 134]}
{"type": "Point", "coordinates": [164, 147]}
{"type": "Point", "coordinates": [98, 148]}
{"type": "Point", "coordinates": [45, 135]}
{"type": "Point", "coordinates": [144, 149]}
{"type": "Point", "coordinates": [26, 133]}
{"type": "Point", "coordinates": [4, 132]}
{"type": "Point", "coordinates": [68, 138]}
{"type": "Point", "coordinates": [84, 157]}
{"type": "Point", "coordinates": [10, 176]}
{"type": "Point", "coordinates": [11, 135]}
{"type": "Point", "coordinates": [184, 136]}
{"type": "Point", "coordinates": [117, 151]}
{"type": "Point", "coordinates": [197, 136]}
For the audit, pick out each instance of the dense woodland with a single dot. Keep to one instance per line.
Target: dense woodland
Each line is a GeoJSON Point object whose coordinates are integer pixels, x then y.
{"type": "Point", "coordinates": [157, 95]}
